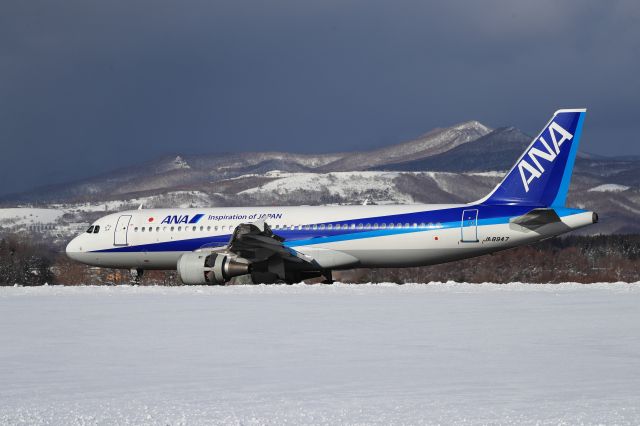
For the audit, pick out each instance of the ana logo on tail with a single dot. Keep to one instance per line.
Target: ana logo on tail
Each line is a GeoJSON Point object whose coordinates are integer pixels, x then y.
{"type": "Point", "coordinates": [530, 168]}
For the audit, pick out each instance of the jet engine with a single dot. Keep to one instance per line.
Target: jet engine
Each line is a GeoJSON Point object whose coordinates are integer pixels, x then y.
{"type": "Point", "coordinates": [210, 268]}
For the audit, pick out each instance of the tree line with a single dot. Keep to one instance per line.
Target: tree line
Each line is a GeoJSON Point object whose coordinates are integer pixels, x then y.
{"type": "Point", "coordinates": [25, 262]}
{"type": "Point", "coordinates": [584, 259]}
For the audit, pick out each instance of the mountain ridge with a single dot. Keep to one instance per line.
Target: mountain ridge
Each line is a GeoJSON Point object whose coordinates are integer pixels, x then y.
{"type": "Point", "coordinates": [448, 165]}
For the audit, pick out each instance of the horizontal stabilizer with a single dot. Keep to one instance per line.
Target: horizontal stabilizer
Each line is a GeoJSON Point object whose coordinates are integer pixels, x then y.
{"type": "Point", "coordinates": [536, 218]}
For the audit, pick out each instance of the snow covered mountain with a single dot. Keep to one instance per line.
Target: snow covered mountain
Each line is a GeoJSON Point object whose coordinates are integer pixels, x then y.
{"type": "Point", "coordinates": [435, 142]}
{"type": "Point", "coordinates": [456, 164]}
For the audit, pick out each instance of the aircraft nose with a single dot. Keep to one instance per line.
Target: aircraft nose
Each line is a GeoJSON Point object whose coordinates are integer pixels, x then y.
{"type": "Point", "coordinates": [73, 249]}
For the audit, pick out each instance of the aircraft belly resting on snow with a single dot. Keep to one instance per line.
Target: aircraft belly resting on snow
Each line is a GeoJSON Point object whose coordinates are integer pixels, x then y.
{"type": "Point", "coordinates": [290, 244]}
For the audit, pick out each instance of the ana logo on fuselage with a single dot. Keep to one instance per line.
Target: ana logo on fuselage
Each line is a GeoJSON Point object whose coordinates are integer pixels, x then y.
{"type": "Point", "coordinates": [178, 219]}
{"type": "Point", "coordinates": [532, 169]}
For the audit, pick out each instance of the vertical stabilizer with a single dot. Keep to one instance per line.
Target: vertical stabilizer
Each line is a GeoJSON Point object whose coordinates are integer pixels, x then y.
{"type": "Point", "coordinates": [541, 176]}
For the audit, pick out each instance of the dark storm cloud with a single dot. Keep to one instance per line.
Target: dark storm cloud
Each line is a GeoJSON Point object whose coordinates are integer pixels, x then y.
{"type": "Point", "coordinates": [87, 86]}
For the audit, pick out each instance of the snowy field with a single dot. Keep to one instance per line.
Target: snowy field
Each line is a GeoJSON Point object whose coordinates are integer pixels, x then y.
{"type": "Point", "coordinates": [387, 354]}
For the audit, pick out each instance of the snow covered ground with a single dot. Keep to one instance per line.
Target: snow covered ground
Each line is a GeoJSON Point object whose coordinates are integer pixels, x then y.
{"type": "Point", "coordinates": [29, 216]}
{"type": "Point", "coordinates": [347, 185]}
{"type": "Point", "coordinates": [411, 354]}
{"type": "Point", "coordinates": [609, 187]}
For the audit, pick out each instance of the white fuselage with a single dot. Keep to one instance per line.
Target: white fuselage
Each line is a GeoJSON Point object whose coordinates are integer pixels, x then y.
{"type": "Point", "coordinates": [363, 236]}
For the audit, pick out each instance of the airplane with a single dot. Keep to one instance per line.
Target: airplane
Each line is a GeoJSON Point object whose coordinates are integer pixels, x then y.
{"type": "Point", "coordinates": [291, 244]}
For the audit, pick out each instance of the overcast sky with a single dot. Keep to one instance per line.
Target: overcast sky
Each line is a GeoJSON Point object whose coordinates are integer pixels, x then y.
{"type": "Point", "coordinates": [89, 86]}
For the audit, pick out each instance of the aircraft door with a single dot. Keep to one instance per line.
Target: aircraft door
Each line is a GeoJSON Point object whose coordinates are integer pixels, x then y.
{"type": "Point", "coordinates": [120, 233]}
{"type": "Point", "coordinates": [469, 226]}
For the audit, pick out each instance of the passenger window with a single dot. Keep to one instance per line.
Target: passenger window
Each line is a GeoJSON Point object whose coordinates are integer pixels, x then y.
{"type": "Point", "coordinates": [367, 226]}
{"type": "Point", "coordinates": [359, 226]}
{"type": "Point", "coordinates": [96, 229]}
{"type": "Point", "coordinates": [383, 226]}
{"type": "Point", "coordinates": [172, 229]}
{"type": "Point", "coordinates": [391, 225]}
{"type": "Point", "coordinates": [195, 228]}
{"type": "Point", "coordinates": [375, 226]}
{"type": "Point", "coordinates": [315, 227]}
{"type": "Point", "coordinates": [179, 228]}
{"type": "Point", "coordinates": [215, 228]}
{"type": "Point", "coordinates": [322, 226]}
{"type": "Point", "coordinates": [90, 230]}
{"type": "Point", "coordinates": [415, 225]}
{"type": "Point", "coordinates": [135, 229]}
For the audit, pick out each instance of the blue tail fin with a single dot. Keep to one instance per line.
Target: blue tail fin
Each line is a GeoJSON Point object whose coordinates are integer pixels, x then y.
{"type": "Point", "coordinates": [542, 174]}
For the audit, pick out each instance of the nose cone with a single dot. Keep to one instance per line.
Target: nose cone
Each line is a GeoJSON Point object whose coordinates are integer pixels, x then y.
{"type": "Point", "coordinates": [73, 249]}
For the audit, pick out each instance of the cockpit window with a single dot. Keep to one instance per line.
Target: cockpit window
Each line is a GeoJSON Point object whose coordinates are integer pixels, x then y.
{"type": "Point", "coordinates": [96, 229]}
{"type": "Point", "coordinates": [90, 230]}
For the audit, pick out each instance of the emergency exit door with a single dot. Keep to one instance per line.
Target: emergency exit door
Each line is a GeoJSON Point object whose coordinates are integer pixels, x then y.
{"type": "Point", "coordinates": [120, 234]}
{"type": "Point", "coordinates": [469, 226]}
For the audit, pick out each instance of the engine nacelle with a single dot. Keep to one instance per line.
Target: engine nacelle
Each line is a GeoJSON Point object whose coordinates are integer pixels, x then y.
{"type": "Point", "coordinates": [210, 268]}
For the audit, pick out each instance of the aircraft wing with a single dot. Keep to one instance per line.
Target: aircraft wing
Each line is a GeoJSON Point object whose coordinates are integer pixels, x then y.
{"type": "Point", "coordinates": [536, 218]}
{"type": "Point", "coordinates": [256, 242]}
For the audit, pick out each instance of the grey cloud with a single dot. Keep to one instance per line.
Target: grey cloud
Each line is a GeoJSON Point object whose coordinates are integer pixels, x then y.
{"type": "Point", "coordinates": [87, 86]}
